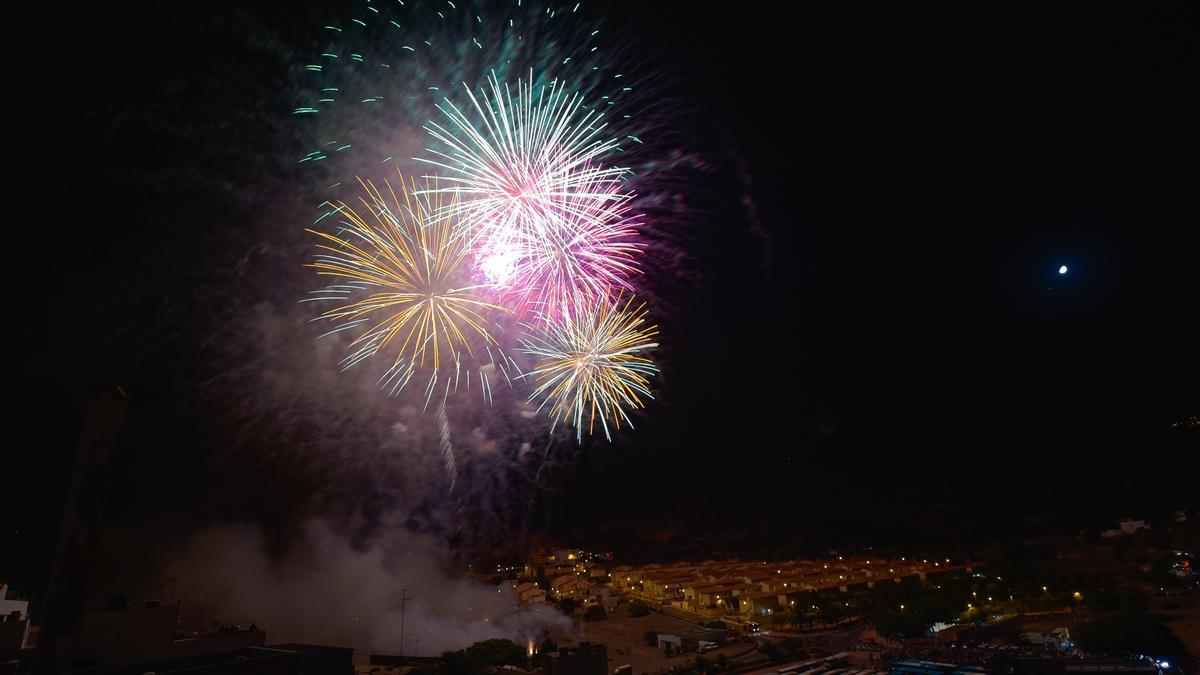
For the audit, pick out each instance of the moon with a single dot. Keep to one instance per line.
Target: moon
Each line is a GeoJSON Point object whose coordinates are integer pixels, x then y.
{"type": "Point", "coordinates": [1062, 270]}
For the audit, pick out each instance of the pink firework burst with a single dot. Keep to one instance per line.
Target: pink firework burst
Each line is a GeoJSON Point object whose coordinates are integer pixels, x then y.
{"type": "Point", "coordinates": [518, 161]}
{"type": "Point", "coordinates": [581, 253]}
{"type": "Point", "coordinates": [549, 222]}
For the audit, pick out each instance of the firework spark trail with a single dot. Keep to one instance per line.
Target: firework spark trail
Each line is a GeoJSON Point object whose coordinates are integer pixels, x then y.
{"type": "Point", "coordinates": [579, 257]}
{"type": "Point", "coordinates": [537, 161]}
{"type": "Point", "coordinates": [402, 279]}
{"type": "Point", "coordinates": [549, 220]}
{"type": "Point", "coordinates": [362, 99]}
{"type": "Point", "coordinates": [591, 364]}
{"type": "Point", "coordinates": [526, 123]}
{"type": "Point", "coordinates": [447, 449]}
{"type": "Point", "coordinates": [387, 65]}
{"type": "Point", "coordinates": [536, 480]}
{"type": "Point", "coordinates": [263, 381]}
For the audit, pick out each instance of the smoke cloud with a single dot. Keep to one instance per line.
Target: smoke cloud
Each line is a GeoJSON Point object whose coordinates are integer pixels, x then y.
{"type": "Point", "coordinates": [256, 381]}
{"type": "Point", "coordinates": [324, 589]}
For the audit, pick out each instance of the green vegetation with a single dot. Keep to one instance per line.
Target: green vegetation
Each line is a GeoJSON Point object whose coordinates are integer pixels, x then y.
{"type": "Point", "coordinates": [595, 613]}
{"type": "Point", "coordinates": [496, 652]}
{"type": "Point", "coordinates": [638, 608]}
{"type": "Point", "coordinates": [1125, 600]}
{"type": "Point", "coordinates": [1134, 634]}
{"type": "Point", "coordinates": [477, 659]}
{"type": "Point", "coordinates": [783, 650]}
{"type": "Point", "coordinates": [702, 666]}
{"type": "Point", "coordinates": [907, 608]}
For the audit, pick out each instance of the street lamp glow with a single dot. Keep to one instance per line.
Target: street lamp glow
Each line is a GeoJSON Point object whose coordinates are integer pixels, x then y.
{"type": "Point", "coordinates": [1062, 270]}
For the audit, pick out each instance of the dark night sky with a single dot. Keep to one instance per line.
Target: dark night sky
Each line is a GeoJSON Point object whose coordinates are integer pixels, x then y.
{"type": "Point", "coordinates": [898, 343]}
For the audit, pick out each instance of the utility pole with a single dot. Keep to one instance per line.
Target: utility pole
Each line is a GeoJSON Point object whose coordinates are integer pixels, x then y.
{"type": "Point", "coordinates": [403, 601]}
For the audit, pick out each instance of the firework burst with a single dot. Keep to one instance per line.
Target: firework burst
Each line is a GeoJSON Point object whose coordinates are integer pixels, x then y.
{"type": "Point", "coordinates": [521, 164]}
{"type": "Point", "coordinates": [528, 118]}
{"type": "Point", "coordinates": [581, 257]}
{"type": "Point", "coordinates": [386, 66]}
{"type": "Point", "coordinates": [592, 365]}
{"type": "Point", "coordinates": [402, 284]}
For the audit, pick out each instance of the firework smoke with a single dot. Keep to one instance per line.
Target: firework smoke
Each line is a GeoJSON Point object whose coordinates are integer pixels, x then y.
{"type": "Point", "coordinates": [326, 589]}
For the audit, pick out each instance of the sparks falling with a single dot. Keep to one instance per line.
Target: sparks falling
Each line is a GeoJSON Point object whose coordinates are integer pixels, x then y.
{"type": "Point", "coordinates": [592, 364]}
{"type": "Point", "coordinates": [581, 257]}
{"type": "Point", "coordinates": [527, 208]}
{"type": "Point", "coordinates": [402, 285]}
{"type": "Point", "coordinates": [522, 163]}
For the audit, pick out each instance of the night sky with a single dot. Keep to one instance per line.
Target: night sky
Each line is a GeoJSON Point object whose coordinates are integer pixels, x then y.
{"type": "Point", "coordinates": [880, 350]}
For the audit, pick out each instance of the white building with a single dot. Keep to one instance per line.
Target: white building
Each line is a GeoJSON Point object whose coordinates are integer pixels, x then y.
{"type": "Point", "coordinates": [1125, 526]}
{"type": "Point", "coordinates": [7, 606]}
{"type": "Point", "coordinates": [1130, 526]}
{"type": "Point", "coordinates": [14, 630]}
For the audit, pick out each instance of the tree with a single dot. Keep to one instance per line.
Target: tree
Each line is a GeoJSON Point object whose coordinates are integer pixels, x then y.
{"type": "Point", "coordinates": [475, 659]}
{"type": "Point", "coordinates": [496, 652]}
{"type": "Point", "coordinates": [1131, 634]}
{"type": "Point", "coordinates": [1132, 600]}
{"type": "Point", "coordinates": [638, 608]}
{"type": "Point", "coordinates": [773, 651]}
{"type": "Point", "coordinates": [801, 614]}
{"type": "Point", "coordinates": [568, 606]}
{"type": "Point", "coordinates": [834, 612]}
{"type": "Point", "coordinates": [595, 613]}
{"type": "Point", "coordinates": [458, 663]}
{"type": "Point", "coordinates": [908, 623]}
{"type": "Point", "coordinates": [792, 646]}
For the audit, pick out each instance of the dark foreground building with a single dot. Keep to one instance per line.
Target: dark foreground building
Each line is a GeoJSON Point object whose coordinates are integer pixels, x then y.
{"type": "Point", "coordinates": [136, 640]}
{"type": "Point", "coordinates": [586, 659]}
{"type": "Point", "coordinates": [289, 659]}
